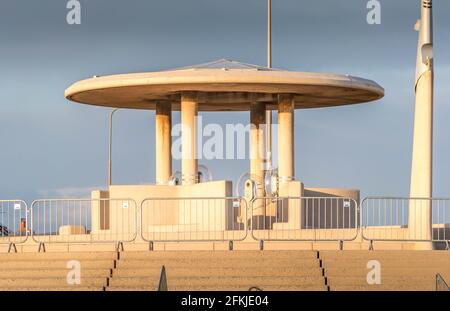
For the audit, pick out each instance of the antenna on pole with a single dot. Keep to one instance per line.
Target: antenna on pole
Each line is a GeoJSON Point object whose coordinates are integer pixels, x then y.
{"type": "Point", "coordinates": [425, 48]}
{"type": "Point", "coordinates": [269, 65]}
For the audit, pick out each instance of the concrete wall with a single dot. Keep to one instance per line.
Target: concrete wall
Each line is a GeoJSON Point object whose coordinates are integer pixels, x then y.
{"type": "Point", "coordinates": [112, 219]}
{"type": "Point", "coordinates": [333, 192]}
{"type": "Point", "coordinates": [333, 214]}
{"type": "Point", "coordinates": [166, 210]}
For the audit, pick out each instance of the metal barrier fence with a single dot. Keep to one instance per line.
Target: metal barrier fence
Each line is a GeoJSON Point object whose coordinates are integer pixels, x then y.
{"type": "Point", "coordinates": [83, 220]}
{"type": "Point", "coordinates": [193, 219]}
{"type": "Point", "coordinates": [405, 219]}
{"type": "Point", "coordinates": [13, 222]}
{"type": "Point", "coordinates": [304, 219]}
{"type": "Point", "coordinates": [225, 219]}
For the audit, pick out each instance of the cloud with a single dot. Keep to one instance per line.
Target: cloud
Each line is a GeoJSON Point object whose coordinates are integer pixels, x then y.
{"type": "Point", "coordinates": [68, 192]}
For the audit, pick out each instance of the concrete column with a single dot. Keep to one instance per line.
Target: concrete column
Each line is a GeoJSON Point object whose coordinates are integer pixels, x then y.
{"type": "Point", "coordinates": [189, 163]}
{"type": "Point", "coordinates": [258, 153]}
{"type": "Point", "coordinates": [285, 138]}
{"type": "Point", "coordinates": [420, 221]}
{"type": "Point", "coordinates": [163, 141]}
{"type": "Point", "coordinates": [419, 224]}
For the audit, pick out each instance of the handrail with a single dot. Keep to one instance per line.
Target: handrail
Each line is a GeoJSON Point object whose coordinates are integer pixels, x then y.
{"type": "Point", "coordinates": [441, 285]}
{"type": "Point", "coordinates": [162, 286]}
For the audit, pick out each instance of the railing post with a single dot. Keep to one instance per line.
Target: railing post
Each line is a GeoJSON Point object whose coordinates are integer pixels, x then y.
{"type": "Point", "coordinates": [12, 246]}
{"type": "Point", "coordinates": [41, 247]}
{"type": "Point", "coordinates": [119, 247]}
{"type": "Point", "coordinates": [230, 245]}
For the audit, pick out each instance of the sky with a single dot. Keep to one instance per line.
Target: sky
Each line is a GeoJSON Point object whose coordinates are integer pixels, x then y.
{"type": "Point", "coordinates": [51, 147]}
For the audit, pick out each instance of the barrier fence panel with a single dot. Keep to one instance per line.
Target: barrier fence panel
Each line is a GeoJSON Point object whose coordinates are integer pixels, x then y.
{"type": "Point", "coordinates": [13, 222]}
{"type": "Point", "coordinates": [405, 219]}
{"type": "Point", "coordinates": [83, 220]}
{"type": "Point", "coordinates": [304, 219]}
{"type": "Point", "coordinates": [193, 219]}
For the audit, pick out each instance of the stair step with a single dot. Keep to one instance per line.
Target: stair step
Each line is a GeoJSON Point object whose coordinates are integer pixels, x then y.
{"type": "Point", "coordinates": [208, 255]}
{"type": "Point", "coordinates": [54, 264]}
{"type": "Point", "coordinates": [218, 281]}
{"type": "Point", "coordinates": [51, 282]}
{"type": "Point", "coordinates": [58, 256]}
{"type": "Point", "coordinates": [56, 289]}
{"type": "Point", "coordinates": [384, 280]}
{"type": "Point", "coordinates": [381, 287]}
{"type": "Point", "coordinates": [224, 263]}
{"type": "Point", "coordinates": [51, 273]}
{"type": "Point", "coordinates": [394, 264]}
{"type": "Point", "coordinates": [219, 271]}
{"type": "Point", "coordinates": [223, 288]}
{"type": "Point", "coordinates": [388, 271]}
{"type": "Point", "coordinates": [394, 255]}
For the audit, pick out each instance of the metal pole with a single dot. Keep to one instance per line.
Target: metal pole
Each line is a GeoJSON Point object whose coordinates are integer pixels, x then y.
{"type": "Point", "coordinates": [269, 33]}
{"type": "Point", "coordinates": [269, 65]}
{"type": "Point", "coordinates": [110, 146]}
{"type": "Point", "coordinates": [420, 215]}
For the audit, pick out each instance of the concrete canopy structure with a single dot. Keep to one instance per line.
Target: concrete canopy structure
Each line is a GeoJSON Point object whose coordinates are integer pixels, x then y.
{"type": "Point", "coordinates": [223, 85]}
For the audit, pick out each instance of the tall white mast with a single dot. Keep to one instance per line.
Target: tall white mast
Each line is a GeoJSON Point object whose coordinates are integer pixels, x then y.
{"type": "Point", "coordinates": [419, 224]}
{"type": "Point", "coordinates": [269, 65]}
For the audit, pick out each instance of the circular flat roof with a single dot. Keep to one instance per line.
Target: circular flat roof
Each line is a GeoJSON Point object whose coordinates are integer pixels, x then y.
{"type": "Point", "coordinates": [224, 86]}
